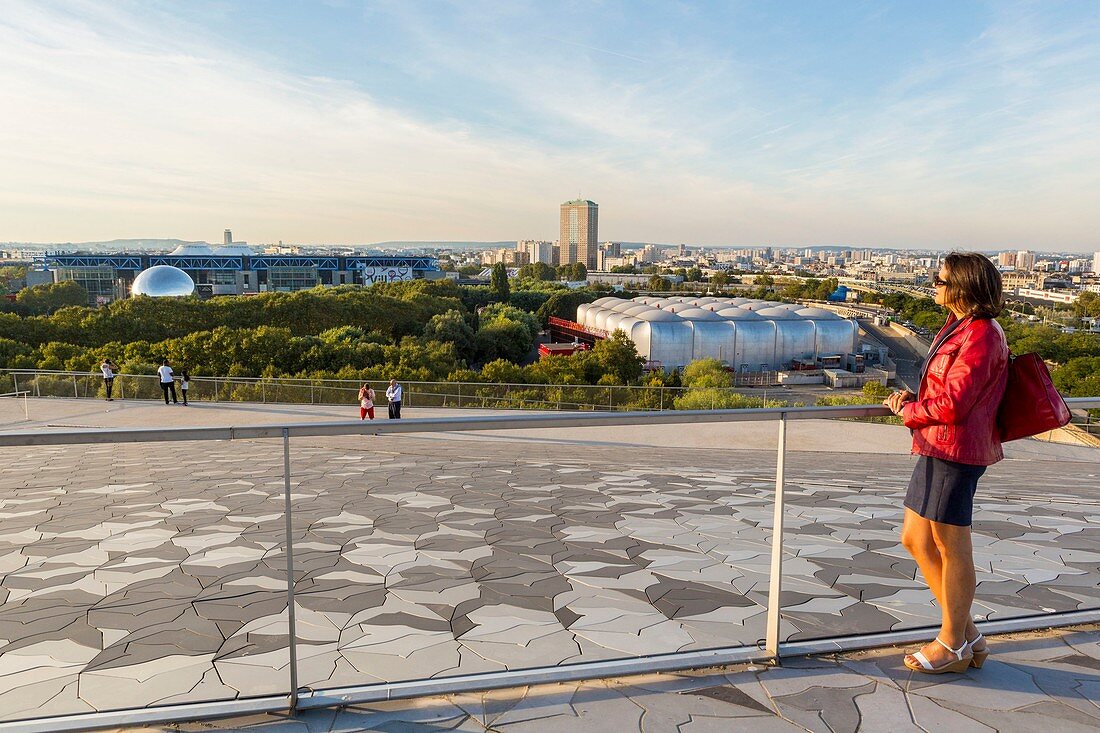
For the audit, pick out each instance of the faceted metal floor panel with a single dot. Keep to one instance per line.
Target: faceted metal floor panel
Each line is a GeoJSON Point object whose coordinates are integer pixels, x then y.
{"type": "Point", "coordinates": [140, 574]}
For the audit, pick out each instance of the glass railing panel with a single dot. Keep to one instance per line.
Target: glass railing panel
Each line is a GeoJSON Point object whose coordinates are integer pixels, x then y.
{"type": "Point", "coordinates": [1036, 533]}
{"type": "Point", "coordinates": [135, 575]}
{"type": "Point", "coordinates": [435, 556]}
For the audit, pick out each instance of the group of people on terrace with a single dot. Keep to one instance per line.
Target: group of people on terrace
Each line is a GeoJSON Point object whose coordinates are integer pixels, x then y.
{"type": "Point", "coordinates": [395, 393]}
{"type": "Point", "coordinates": [167, 379]}
{"type": "Point", "coordinates": [166, 375]}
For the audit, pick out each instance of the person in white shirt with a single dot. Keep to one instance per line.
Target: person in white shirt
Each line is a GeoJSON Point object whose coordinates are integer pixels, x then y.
{"type": "Point", "coordinates": [393, 394]}
{"type": "Point", "coordinates": [108, 368]}
{"type": "Point", "coordinates": [167, 382]}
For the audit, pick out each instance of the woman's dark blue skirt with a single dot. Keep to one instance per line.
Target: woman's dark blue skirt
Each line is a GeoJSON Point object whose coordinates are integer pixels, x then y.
{"type": "Point", "coordinates": [943, 491]}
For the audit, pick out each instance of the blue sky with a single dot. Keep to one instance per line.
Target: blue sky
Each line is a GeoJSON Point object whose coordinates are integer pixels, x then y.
{"type": "Point", "coordinates": [973, 125]}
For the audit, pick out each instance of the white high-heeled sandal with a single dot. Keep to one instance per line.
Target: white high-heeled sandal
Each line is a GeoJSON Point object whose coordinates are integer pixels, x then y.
{"type": "Point", "coordinates": [977, 658]}
{"type": "Point", "coordinates": [959, 664]}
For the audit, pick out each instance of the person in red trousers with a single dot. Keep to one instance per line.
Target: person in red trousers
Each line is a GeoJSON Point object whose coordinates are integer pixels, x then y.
{"type": "Point", "coordinates": [366, 402]}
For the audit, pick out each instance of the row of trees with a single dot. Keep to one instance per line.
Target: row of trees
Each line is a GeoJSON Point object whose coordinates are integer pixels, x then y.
{"type": "Point", "coordinates": [542, 272]}
{"type": "Point", "coordinates": [42, 300]}
{"type": "Point", "coordinates": [418, 330]}
{"type": "Point", "coordinates": [394, 310]}
{"type": "Point", "coordinates": [1087, 305]}
{"type": "Point", "coordinates": [12, 278]}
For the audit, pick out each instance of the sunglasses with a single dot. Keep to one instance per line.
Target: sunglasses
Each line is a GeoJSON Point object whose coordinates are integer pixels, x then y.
{"type": "Point", "coordinates": [938, 281]}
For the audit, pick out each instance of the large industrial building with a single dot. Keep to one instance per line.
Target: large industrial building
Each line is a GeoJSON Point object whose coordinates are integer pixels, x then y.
{"type": "Point", "coordinates": [232, 269]}
{"type": "Point", "coordinates": [747, 334]}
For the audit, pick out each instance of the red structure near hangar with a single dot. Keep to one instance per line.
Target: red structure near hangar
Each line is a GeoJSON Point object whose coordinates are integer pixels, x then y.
{"type": "Point", "coordinates": [546, 350]}
{"type": "Point", "coordinates": [569, 337]}
{"type": "Point", "coordinates": [566, 332]}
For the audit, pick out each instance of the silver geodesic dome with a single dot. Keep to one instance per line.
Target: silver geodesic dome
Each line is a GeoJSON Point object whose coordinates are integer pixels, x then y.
{"type": "Point", "coordinates": [163, 281]}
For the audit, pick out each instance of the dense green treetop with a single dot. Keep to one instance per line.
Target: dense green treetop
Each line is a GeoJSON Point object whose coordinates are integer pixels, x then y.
{"type": "Point", "coordinates": [537, 271]}
{"type": "Point", "coordinates": [42, 300]}
{"type": "Point", "coordinates": [564, 304]}
{"type": "Point", "coordinates": [12, 278]}
{"type": "Point", "coordinates": [574, 271]}
{"type": "Point", "coordinates": [498, 282]}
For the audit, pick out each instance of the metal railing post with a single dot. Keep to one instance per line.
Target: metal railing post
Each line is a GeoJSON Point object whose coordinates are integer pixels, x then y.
{"type": "Point", "coordinates": [75, 392]}
{"type": "Point", "coordinates": [216, 389]}
{"type": "Point", "coordinates": [291, 630]}
{"type": "Point", "coordinates": [775, 580]}
{"type": "Point", "coordinates": [263, 391]}
{"type": "Point", "coordinates": [15, 383]}
{"type": "Point", "coordinates": [609, 393]}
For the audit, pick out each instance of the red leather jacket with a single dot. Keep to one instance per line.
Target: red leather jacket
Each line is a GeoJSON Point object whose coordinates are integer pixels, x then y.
{"type": "Point", "coordinates": [955, 414]}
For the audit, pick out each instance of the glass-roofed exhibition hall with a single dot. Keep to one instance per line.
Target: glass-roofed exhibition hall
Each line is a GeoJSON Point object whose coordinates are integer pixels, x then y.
{"type": "Point", "coordinates": [747, 334]}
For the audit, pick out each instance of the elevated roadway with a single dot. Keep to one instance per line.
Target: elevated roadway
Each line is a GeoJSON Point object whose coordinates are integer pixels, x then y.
{"type": "Point", "coordinates": [907, 351]}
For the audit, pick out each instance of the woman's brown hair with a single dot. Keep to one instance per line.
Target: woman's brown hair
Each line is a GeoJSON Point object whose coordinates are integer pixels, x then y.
{"type": "Point", "coordinates": [973, 284]}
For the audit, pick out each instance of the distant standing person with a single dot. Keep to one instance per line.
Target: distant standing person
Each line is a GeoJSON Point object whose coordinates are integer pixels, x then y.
{"type": "Point", "coordinates": [366, 402]}
{"type": "Point", "coordinates": [108, 368]}
{"type": "Point", "coordinates": [185, 384]}
{"type": "Point", "coordinates": [394, 394]}
{"type": "Point", "coordinates": [167, 382]}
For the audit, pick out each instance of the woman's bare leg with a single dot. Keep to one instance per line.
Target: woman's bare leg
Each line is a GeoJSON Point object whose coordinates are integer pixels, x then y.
{"type": "Point", "coordinates": [957, 581]}
{"type": "Point", "coordinates": [941, 552]}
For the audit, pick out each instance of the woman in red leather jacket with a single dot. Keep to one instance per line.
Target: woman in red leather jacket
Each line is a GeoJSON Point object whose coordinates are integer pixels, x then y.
{"type": "Point", "coordinates": [953, 418]}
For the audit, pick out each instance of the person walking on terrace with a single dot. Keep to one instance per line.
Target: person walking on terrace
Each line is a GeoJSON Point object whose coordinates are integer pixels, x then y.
{"type": "Point", "coordinates": [366, 402]}
{"type": "Point", "coordinates": [167, 382]}
{"type": "Point", "coordinates": [953, 418]}
{"type": "Point", "coordinates": [109, 369]}
{"type": "Point", "coordinates": [394, 394]}
{"type": "Point", "coordinates": [185, 384]}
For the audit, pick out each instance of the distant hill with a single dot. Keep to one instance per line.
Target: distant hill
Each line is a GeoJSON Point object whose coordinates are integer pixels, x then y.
{"type": "Point", "coordinates": [119, 244]}
{"type": "Point", "coordinates": [444, 245]}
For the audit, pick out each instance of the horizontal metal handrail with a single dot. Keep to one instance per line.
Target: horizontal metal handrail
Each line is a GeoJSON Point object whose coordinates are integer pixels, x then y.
{"type": "Point", "coordinates": [597, 397]}
{"type": "Point", "coordinates": [431, 425]}
{"type": "Point", "coordinates": [308, 381]}
{"type": "Point", "coordinates": [451, 424]}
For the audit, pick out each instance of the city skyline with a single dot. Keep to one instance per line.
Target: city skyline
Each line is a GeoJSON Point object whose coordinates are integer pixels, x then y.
{"type": "Point", "coordinates": [972, 127]}
{"type": "Point", "coordinates": [167, 243]}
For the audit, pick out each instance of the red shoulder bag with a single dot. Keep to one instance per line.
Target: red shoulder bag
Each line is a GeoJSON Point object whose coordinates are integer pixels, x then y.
{"type": "Point", "coordinates": [1031, 404]}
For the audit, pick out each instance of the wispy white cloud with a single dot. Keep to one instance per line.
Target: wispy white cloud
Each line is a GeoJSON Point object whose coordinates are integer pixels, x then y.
{"type": "Point", "coordinates": [128, 121]}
